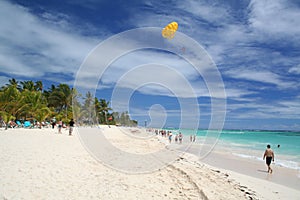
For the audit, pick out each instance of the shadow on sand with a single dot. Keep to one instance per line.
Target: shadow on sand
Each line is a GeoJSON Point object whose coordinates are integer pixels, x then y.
{"type": "Point", "coordinates": [265, 171]}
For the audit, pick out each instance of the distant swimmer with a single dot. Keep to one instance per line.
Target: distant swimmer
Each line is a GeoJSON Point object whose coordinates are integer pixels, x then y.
{"type": "Point", "coordinates": [278, 146]}
{"type": "Point", "coordinates": [269, 155]}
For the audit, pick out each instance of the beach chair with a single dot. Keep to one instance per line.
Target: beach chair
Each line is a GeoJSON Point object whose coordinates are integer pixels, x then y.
{"type": "Point", "coordinates": [27, 124]}
{"type": "Point", "coordinates": [19, 125]}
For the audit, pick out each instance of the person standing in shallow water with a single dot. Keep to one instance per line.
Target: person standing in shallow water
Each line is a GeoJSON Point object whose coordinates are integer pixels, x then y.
{"type": "Point", "coordinates": [180, 138]}
{"type": "Point", "coordinates": [269, 155]}
{"type": "Point", "coordinates": [170, 137]}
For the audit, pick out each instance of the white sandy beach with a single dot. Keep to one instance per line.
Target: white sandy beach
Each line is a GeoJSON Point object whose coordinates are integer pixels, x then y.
{"type": "Point", "coordinates": [41, 164]}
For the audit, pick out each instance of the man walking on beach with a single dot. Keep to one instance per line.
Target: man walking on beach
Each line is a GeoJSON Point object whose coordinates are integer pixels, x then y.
{"type": "Point", "coordinates": [269, 155]}
{"type": "Point", "coordinates": [71, 126]}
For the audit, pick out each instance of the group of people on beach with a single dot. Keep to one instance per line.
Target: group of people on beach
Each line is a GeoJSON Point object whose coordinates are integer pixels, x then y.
{"type": "Point", "coordinates": [61, 125]}
{"type": "Point", "coordinates": [178, 137]}
{"type": "Point", "coordinates": [23, 124]}
{"type": "Point", "coordinates": [169, 135]}
{"type": "Point", "coordinates": [192, 138]}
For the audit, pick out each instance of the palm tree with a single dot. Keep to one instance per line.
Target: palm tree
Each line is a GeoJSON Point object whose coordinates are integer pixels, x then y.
{"type": "Point", "coordinates": [61, 98]}
{"type": "Point", "coordinates": [38, 86]}
{"type": "Point", "coordinates": [104, 108]}
{"type": "Point", "coordinates": [116, 117]}
{"type": "Point", "coordinates": [78, 112]}
{"type": "Point", "coordinates": [47, 94]}
{"type": "Point", "coordinates": [9, 103]}
{"type": "Point", "coordinates": [89, 107]}
{"type": "Point", "coordinates": [6, 117]}
{"type": "Point", "coordinates": [97, 108]}
{"type": "Point", "coordinates": [28, 85]}
{"type": "Point", "coordinates": [30, 100]}
{"type": "Point", "coordinates": [77, 109]}
{"type": "Point", "coordinates": [42, 114]}
{"type": "Point", "coordinates": [34, 104]}
{"type": "Point", "coordinates": [13, 83]}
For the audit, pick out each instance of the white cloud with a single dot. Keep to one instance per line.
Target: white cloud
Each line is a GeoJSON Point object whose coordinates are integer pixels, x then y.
{"type": "Point", "coordinates": [256, 108]}
{"type": "Point", "coordinates": [259, 76]}
{"type": "Point", "coordinates": [209, 12]}
{"type": "Point", "coordinates": [275, 18]}
{"type": "Point", "coordinates": [295, 69]}
{"type": "Point", "coordinates": [34, 46]}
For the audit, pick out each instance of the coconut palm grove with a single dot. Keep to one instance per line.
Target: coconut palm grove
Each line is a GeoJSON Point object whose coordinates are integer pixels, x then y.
{"type": "Point", "coordinates": [28, 104]}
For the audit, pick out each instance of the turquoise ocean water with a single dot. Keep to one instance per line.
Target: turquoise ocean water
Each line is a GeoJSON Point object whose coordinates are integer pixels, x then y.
{"type": "Point", "coordinates": [252, 144]}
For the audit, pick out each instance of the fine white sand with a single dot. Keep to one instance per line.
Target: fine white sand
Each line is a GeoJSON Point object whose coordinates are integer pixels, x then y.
{"type": "Point", "coordinates": [42, 164]}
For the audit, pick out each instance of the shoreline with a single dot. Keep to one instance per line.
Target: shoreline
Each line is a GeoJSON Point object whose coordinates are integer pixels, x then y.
{"type": "Point", "coordinates": [258, 169]}
{"type": "Point", "coordinates": [255, 168]}
{"type": "Point", "coordinates": [252, 144]}
{"type": "Point", "coordinates": [38, 163]}
{"type": "Point", "coordinates": [224, 159]}
{"type": "Point", "coordinates": [248, 162]}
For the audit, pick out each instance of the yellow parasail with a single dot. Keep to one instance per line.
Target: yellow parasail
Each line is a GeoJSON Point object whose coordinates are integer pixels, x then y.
{"type": "Point", "coordinates": [169, 30]}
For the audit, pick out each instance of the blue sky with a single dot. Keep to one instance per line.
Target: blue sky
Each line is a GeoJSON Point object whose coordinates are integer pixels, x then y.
{"type": "Point", "coordinates": [254, 45]}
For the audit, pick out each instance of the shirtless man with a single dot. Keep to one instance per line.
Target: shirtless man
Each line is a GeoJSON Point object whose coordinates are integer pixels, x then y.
{"type": "Point", "coordinates": [269, 155]}
{"type": "Point", "coordinates": [71, 124]}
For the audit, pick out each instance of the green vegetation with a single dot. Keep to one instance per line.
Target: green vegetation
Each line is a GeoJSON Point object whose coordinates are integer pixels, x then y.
{"type": "Point", "coordinates": [29, 101]}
